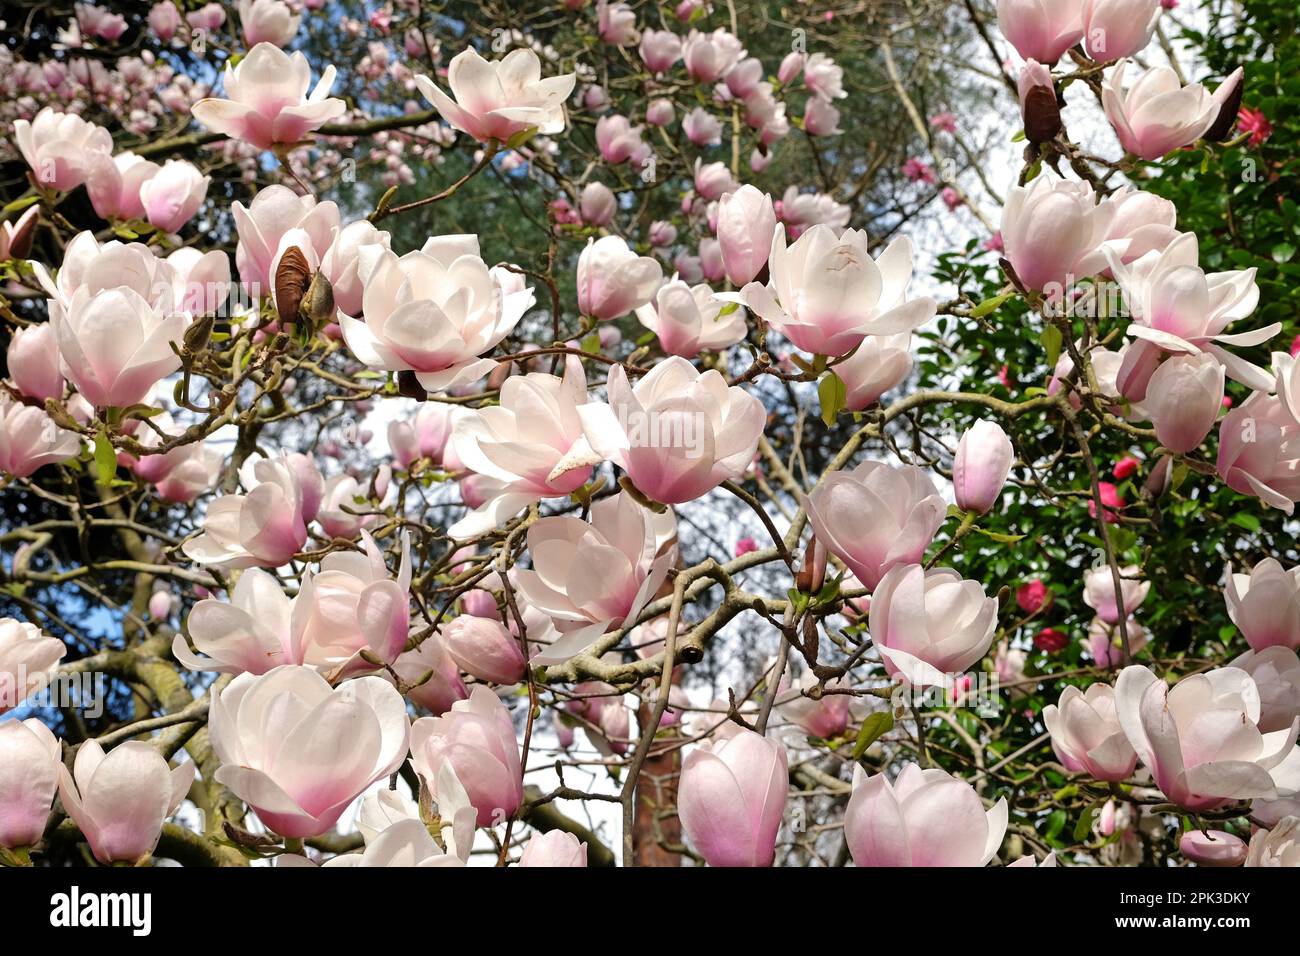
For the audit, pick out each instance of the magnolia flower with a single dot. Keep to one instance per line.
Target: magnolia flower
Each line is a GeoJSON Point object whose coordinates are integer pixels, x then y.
{"type": "Point", "coordinates": [688, 320]}
{"type": "Point", "coordinates": [61, 148]}
{"type": "Point", "coordinates": [433, 311]}
{"type": "Point", "coordinates": [30, 760]}
{"type": "Point", "coordinates": [353, 606]}
{"type": "Point", "coordinates": [484, 649]}
{"type": "Point", "coordinates": [299, 751]}
{"type": "Point", "coordinates": [1041, 29]}
{"type": "Point", "coordinates": [1183, 399]}
{"type": "Point", "coordinates": [532, 442]}
{"type": "Point", "coordinates": [204, 277]}
{"type": "Point", "coordinates": [268, 21]}
{"type": "Point", "coordinates": [927, 818]}
{"type": "Point", "coordinates": [620, 142]}
{"type": "Point", "coordinates": [1051, 230]}
{"type": "Point", "coordinates": [616, 23]}
{"type": "Point", "coordinates": [256, 631]}
{"type": "Point", "coordinates": [1142, 222]}
{"type": "Point", "coordinates": [876, 517]}
{"type": "Point", "coordinates": [340, 514]}
{"type": "Point", "coordinates": [341, 262]}
{"type": "Point", "coordinates": [405, 843]}
{"type": "Point", "coordinates": [498, 100]}
{"type": "Point", "coordinates": [591, 576]}
{"type": "Point", "coordinates": [713, 180]}
{"type": "Point", "coordinates": [1279, 846]}
{"type": "Point", "coordinates": [1212, 848]}
{"type": "Point", "coordinates": [1180, 309]}
{"type": "Point", "coordinates": [553, 849]}
{"type": "Point", "coordinates": [443, 686]}
{"type": "Point", "coordinates": [28, 658]}
{"type": "Point", "coordinates": [826, 716]}
{"type": "Point", "coordinates": [180, 474]}
{"type": "Point", "coordinates": [1201, 739]}
{"type": "Point", "coordinates": [979, 469]}
{"type": "Point", "coordinates": [827, 293]}
{"type": "Point", "coordinates": [702, 128]}
{"type": "Point", "coordinates": [1157, 115]}
{"type": "Point", "coordinates": [613, 280]}
{"type": "Point", "coordinates": [1265, 605]}
{"type": "Point", "coordinates": [114, 184]}
{"type": "Point", "coordinates": [1086, 734]}
{"type": "Point", "coordinates": [172, 196]}
{"type": "Point", "coordinates": [929, 625]}
{"type": "Point", "coordinates": [164, 20]}
{"type": "Point", "coordinates": [264, 528]}
{"type": "Point", "coordinates": [116, 310]}
{"type": "Point", "coordinates": [119, 800]}
{"type": "Point", "coordinates": [425, 436]}
{"type": "Point", "coordinates": [1105, 645]}
{"type": "Point", "coordinates": [879, 364]}
{"type": "Point", "coordinates": [710, 56]}
{"type": "Point", "coordinates": [1118, 28]}
{"type": "Point", "coordinates": [476, 740]}
{"type": "Point", "coordinates": [29, 439]}
{"type": "Point", "coordinates": [746, 226]}
{"type": "Point", "coordinates": [731, 797]}
{"type": "Point", "coordinates": [660, 49]}
{"type": "Point", "coordinates": [274, 212]}
{"type": "Point", "coordinates": [1259, 451]}
{"type": "Point", "coordinates": [16, 234]}
{"type": "Point", "coordinates": [1276, 673]}
{"type": "Point", "coordinates": [678, 433]}
{"type": "Point", "coordinates": [267, 102]}
{"type": "Point", "coordinates": [1099, 592]}
{"type": "Point", "coordinates": [597, 204]}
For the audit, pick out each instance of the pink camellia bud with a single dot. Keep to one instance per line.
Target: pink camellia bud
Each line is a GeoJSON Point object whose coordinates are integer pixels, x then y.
{"type": "Point", "coordinates": [746, 224]}
{"type": "Point", "coordinates": [907, 605]}
{"type": "Point", "coordinates": [114, 184]}
{"type": "Point", "coordinates": [554, 848]}
{"type": "Point", "coordinates": [484, 649]}
{"type": "Point", "coordinates": [926, 818]}
{"type": "Point", "coordinates": [61, 148]}
{"type": "Point", "coordinates": [30, 439]}
{"type": "Point", "coordinates": [597, 204]}
{"type": "Point", "coordinates": [33, 360]}
{"type": "Point", "coordinates": [1157, 114]}
{"type": "Point", "coordinates": [876, 517]}
{"type": "Point", "coordinates": [984, 457]}
{"type": "Point", "coordinates": [1111, 500]}
{"type": "Point", "coordinates": [660, 112]}
{"type": "Point", "coordinates": [496, 100]}
{"type": "Point", "coordinates": [1265, 605]}
{"type": "Point", "coordinates": [30, 759]}
{"type": "Point", "coordinates": [613, 280]}
{"type": "Point", "coordinates": [1200, 739]}
{"type": "Point", "coordinates": [1033, 596]}
{"type": "Point", "coordinates": [1113, 29]}
{"type": "Point", "coordinates": [1212, 848]}
{"type": "Point", "coordinates": [268, 103]}
{"type": "Point", "coordinates": [731, 798]}
{"type": "Point", "coordinates": [164, 20]}
{"type": "Point", "coordinates": [1183, 399]}
{"type": "Point", "coordinates": [173, 195]}
{"type": "Point", "coordinates": [1041, 29]}
{"type": "Point", "coordinates": [477, 739]}
{"type": "Point", "coordinates": [745, 546]}
{"type": "Point", "coordinates": [268, 21]}
{"type": "Point", "coordinates": [119, 800]}
{"type": "Point", "coordinates": [299, 751]}
{"type": "Point", "coordinates": [1099, 592]}
{"type": "Point", "coordinates": [1086, 734]}
{"type": "Point", "coordinates": [1038, 106]}
{"type": "Point", "coordinates": [660, 49]}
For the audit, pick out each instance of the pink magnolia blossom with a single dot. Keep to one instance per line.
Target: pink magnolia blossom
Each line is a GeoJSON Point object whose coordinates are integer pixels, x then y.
{"type": "Point", "coordinates": [61, 148]}
{"type": "Point", "coordinates": [731, 797]}
{"type": "Point", "coordinates": [979, 469]}
{"type": "Point", "coordinates": [173, 195]}
{"type": "Point", "coordinates": [1086, 734]}
{"type": "Point", "coordinates": [30, 760]}
{"type": "Point", "coordinates": [28, 658]}
{"type": "Point", "coordinates": [1265, 604]}
{"type": "Point", "coordinates": [1157, 114]}
{"type": "Point", "coordinates": [484, 649]}
{"type": "Point", "coordinates": [265, 527]}
{"type": "Point", "coordinates": [613, 280]}
{"type": "Point", "coordinates": [688, 320]}
{"type": "Point", "coordinates": [268, 21]}
{"type": "Point", "coordinates": [1113, 29]}
{"type": "Point", "coordinates": [554, 848]}
{"type": "Point", "coordinates": [496, 100]}
{"type": "Point", "coordinates": [114, 184]}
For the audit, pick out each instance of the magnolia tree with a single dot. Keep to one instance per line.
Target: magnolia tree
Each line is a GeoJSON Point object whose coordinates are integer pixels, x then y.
{"type": "Point", "coordinates": [859, 424]}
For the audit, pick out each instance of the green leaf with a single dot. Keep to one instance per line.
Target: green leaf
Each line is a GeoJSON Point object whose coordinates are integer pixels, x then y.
{"type": "Point", "coordinates": [1051, 339]}
{"type": "Point", "coordinates": [1084, 826]}
{"type": "Point", "coordinates": [872, 727]}
{"type": "Point", "coordinates": [1001, 538]}
{"type": "Point", "coordinates": [990, 305]}
{"type": "Point", "coordinates": [832, 393]}
{"type": "Point", "coordinates": [1283, 252]}
{"type": "Point", "coordinates": [105, 458]}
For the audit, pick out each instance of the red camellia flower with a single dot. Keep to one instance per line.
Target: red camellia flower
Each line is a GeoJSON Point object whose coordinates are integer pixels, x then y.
{"type": "Point", "coordinates": [1125, 467]}
{"type": "Point", "coordinates": [1033, 596]}
{"type": "Point", "coordinates": [1255, 123]}
{"type": "Point", "coordinates": [1049, 640]}
{"type": "Point", "coordinates": [1110, 498]}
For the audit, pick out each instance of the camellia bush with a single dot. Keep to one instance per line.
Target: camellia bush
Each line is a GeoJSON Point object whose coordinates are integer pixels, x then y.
{"type": "Point", "coordinates": [723, 433]}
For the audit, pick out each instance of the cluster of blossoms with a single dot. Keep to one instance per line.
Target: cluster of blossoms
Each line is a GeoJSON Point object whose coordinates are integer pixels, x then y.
{"type": "Point", "coordinates": [328, 644]}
